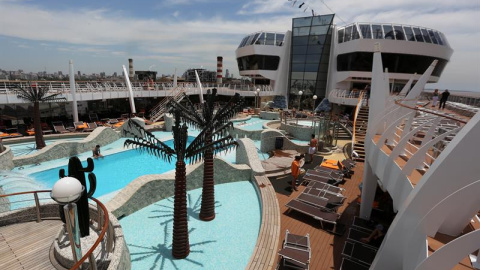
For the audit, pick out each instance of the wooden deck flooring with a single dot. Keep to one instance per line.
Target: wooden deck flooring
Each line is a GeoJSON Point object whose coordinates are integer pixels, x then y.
{"type": "Point", "coordinates": [27, 245]}
{"type": "Point", "coordinates": [326, 247]}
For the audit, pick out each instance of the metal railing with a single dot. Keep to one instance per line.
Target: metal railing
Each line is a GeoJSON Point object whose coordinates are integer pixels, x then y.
{"type": "Point", "coordinates": [103, 221]}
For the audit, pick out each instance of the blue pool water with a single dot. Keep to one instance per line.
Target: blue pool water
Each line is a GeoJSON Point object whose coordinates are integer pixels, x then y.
{"type": "Point", "coordinates": [251, 124]}
{"type": "Point", "coordinates": [114, 171]}
{"type": "Point", "coordinates": [227, 242]}
{"type": "Point", "coordinates": [27, 148]}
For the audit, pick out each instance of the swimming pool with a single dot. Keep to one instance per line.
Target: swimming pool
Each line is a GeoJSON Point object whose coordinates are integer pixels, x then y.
{"type": "Point", "coordinates": [227, 242]}
{"type": "Point", "coordinates": [251, 124]}
{"type": "Point", "coordinates": [27, 148]}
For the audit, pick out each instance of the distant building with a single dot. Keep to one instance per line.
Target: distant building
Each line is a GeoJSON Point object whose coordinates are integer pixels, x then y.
{"type": "Point", "coordinates": [203, 74]}
{"type": "Point", "coordinates": [146, 75]}
{"type": "Point", "coordinates": [227, 74]}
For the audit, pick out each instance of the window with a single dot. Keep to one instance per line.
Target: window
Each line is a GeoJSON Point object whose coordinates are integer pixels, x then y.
{"type": "Point", "coordinates": [279, 39]}
{"type": "Point", "coordinates": [301, 31]}
{"type": "Point", "coordinates": [261, 39]}
{"type": "Point", "coordinates": [319, 30]}
{"type": "Point", "coordinates": [299, 49]}
{"type": "Point", "coordinates": [425, 35]}
{"type": "Point", "coordinates": [243, 42]}
{"type": "Point", "coordinates": [298, 67]}
{"type": "Point", "coordinates": [432, 36]}
{"type": "Point", "coordinates": [312, 58]}
{"type": "Point", "coordinates": [366, 32]}
{"type": "Point", "coordinates": [270, 39]}
{"type": "Point", "coordinates": [298, 58]}
{"type": "Point", "coordinates": [299, 22]}
{"type": "Point", "coordinates": [355, 34]}
{"type": "Point", "coordinates": [316, 49]}
{"type": "Point", "coordinates": [418, 34]}
{"type": "Point", "coordinates": [254, 38]}
{"type": "Point", "coordinates": [388, 30]}
{"type": "Point", "coordinates": [300, 41]}
{"type": "Point", "coordinates": [409, 33]}
{"type": "Point", "coordinates": [348, 33]}
{"type": "Point", "coordinates": [399, 35]}
{"type": "Point", "coordinates": [377, 31]}
{"type": "Point", "coordinates": [439, 39]}
{"type": "Point", "coordinates": [340, 35]}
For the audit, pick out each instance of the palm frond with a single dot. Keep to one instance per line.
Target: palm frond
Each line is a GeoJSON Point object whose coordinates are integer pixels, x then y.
{"type": "Point", "coordinates": [224, 144]}
{"type": "Point", "coordinates": [147, 141]}
{"type": "Point", "coordinates": [222, 130]}
{"type": "Point", "coordinates": [164, 153]}
{"type": "Point", "coordinates": [189, 116]}
{"type": "Point", "coordinates": [228, 111]}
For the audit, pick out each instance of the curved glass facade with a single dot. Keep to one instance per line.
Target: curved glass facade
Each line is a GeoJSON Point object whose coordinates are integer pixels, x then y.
{"type": "Point", "coordinates": [390, 31]}
{"type": "Point", "coordinates": [263, 38]}
{"type": "Point", "coordinates": [258, 62]}
{"type": "Point", "coordinates": [395, 62]}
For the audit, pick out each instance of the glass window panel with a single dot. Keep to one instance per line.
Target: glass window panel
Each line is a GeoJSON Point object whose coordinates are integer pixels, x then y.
{"type": "Point", "coordinates": [444, 39]}
{"type": "Point", "coordinates": [418, 34]}
{"type": "Point", "coordinates": [261, 39]}
{"type": "Point", "coordinates": [311, 67]}
{"type": "Point", "coordinates": [377, 31]}
{"type": "Point", "coordinates": [348, 33]}
{"type": "Point", "coordinates": [279, 39]}
{"type": "Point", "coordinates": [425, 35]}
{"type": "Point", "coordinates": [301, 31]}
{"type": "Point", "coordinates": [299, 22]}
{"type": "Point", "coordinates": [340, 35]}
{"type": "Point", "coordinates": [319, 30]}
{"type": "Point", "coordinates": [432, 36]}
{"type": "Point", "coordinates": [313, 58]}
{"type": "Point", "coordinates": [300, 41]}
{"type": "Point", "coordinates": [254, 38]}
{"type": "Point", "coordinates": [299, 49]}
{"type": "Point", "coordinates": [355, 34]}
{"type": "Point", "coordinates": [366, 32]}
{"type": "Point", "coordinates": [399, 35]}
{"type": "Point", "coordinates": [297, 75]}
{"type": "Point", "coordinates": [298, 67]}
{"type": "Point", "coordinates": [243, 42]}
{"type": "Point", "coordinates": [249, 41]}
{"type": "Point", "coordinates": [388, 30]}
{"type": "Point", "coordinates": [270, 40]}
{"type": "Point", "coordinates": [310, 75]}
{"type": "Point", "coordinates": [298, 58]}
{"type": "Point", "coordinates": [439, 39]}
{"type": "Point", "coordinates": [409, 33]}
{"type": "Point", "coordinates": [314, 49]}
{"type": "Point", "coordinates": [321, 20]}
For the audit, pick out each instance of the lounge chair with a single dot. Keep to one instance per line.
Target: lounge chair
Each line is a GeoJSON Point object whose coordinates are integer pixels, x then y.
{"type": "Point", "coordinates": [348, 264]}
{"type": "Point", "coordinates": [332, 179]}
{"type": "Point", "coordinates": [326, 187]}
{"type": "Point", "coordinates": [296, 251]}
{"type": "Point", "coordinates": [80, 126]}
{"type": "Point", "coordinates": [331, 198]}
{"type": "Point", "coordinates": [46, 129]}
{"type": "Point", "coordinates": [90, 127]}
{"type": "Point", "coordinates": [313, 211]}
{"type": "Point", "coordinates": [13, 133]}
{"type": "Point", "coordinates": [318, 202]}
{"type": "Point", "coordinates": [60, 128]}
{"type": "Point", "coordinates": [356, 235]}
{"type": "Point", "coordinates": [363, 224]}
{"type": "Point", "coordinates": [359, 252]}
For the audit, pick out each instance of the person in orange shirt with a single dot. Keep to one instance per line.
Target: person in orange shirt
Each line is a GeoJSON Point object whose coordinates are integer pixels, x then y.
{"type": "Point", "coordinates": [295, 172]}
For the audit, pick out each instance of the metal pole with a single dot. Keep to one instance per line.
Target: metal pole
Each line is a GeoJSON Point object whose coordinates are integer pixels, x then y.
{"type": "Point", "coordinates": [72, 90]}
{"type": "Point", "coordinates": [37, 207]}
{"type": "Point", "coordinates": [129, 87]}
{"type": "Point", "coordinates": [71, 217]}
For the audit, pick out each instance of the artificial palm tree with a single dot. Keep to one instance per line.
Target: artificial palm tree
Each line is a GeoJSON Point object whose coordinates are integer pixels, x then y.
{"type": "Point", "coordinates": [36, 95]}
{"type": "Point", "coordinates": [194, 152]}
{"type": "Point", "coordinates": [214, 129]}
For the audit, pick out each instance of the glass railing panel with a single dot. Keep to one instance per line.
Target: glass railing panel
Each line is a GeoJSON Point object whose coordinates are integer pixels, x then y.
{"type": "Point", "coordinates": [377, 31]}
{"type": "Point", "coordinates": [399, 35]}
{"type": "Point", "coordinates": [366, 31]}
{"type": "Point", "coordinates": [300, 22]}
{"type": "Point", "coordinates": [301, 31]}
{"type": "Point", "coordinates": [348, 33]}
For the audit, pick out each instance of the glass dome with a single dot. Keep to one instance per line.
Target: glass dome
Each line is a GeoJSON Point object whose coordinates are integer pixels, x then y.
{"type": "Point", "coordinates": [263, 38]}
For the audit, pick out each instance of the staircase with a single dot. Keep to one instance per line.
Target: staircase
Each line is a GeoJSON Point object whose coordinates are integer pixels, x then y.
{"type": "Point", "coordinates": [360, 132]}
{"type": "Point", "coordinates": [158, 111]}
{"type": "Point", "coordinates": [344, 130]}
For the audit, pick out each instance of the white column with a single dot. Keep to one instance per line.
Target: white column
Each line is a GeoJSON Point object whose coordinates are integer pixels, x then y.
{"type": "Point", "coordinates": [369, 188]}
{"type": "Point", "coordinates": [130, 91]}
{"type": "Point", "coordinates": [72, 90]}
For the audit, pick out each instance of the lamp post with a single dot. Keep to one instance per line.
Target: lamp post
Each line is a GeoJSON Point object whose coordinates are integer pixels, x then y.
{"type": "Point", "coordinates": [300, 93]}
{"type": "Point", "coordinates": [257, 96]}
{"type": "Point", "coordinates": [67, 191]}
{"type": "Point", "coordinates": [314, 99]}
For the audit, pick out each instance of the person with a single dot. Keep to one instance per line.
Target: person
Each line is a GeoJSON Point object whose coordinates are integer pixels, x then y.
{"type": "Point", "coordinates": [313, 147]}
{"type": "Point", "coordinates": [435, 98]}
{"type": "Point", "coordinates": [294, 112]}
{"type": "Point", "coordinates": [295, 171]}
{"type": "Point", "coordinates": [443, 99]}
{"type": "Point", "coordinates": [96, 152]}
{"type": "Point", "coordinates": [375, 236]}
{"type": "Point", "coordinates": [367, 92]}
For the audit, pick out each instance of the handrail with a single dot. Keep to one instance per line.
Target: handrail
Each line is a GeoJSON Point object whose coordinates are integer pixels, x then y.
{"type": "Point", "coordinates": [105, 226]}
{"type": "Point", "coordinates": [357, 110]}
{"type": "Point", "coordinates": [398, 102]}
{"type": "Point", "coordinates": [106, 222]}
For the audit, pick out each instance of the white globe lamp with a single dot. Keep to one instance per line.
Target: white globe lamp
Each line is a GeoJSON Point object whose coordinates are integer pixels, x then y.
{"type": "Point", "coordinates": [67, 190]}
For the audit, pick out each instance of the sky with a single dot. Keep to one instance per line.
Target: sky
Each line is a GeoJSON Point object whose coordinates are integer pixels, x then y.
{"type": "Point", "coordinates": [39, 35]}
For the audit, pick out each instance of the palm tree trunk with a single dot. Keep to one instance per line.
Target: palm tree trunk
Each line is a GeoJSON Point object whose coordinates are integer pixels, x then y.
{"type": "Point", "coordinates": [180, 245]}
{"type": "Point", "coordinates": [37, 126]}
{"type": "Point", "coordinates": [207, 211]}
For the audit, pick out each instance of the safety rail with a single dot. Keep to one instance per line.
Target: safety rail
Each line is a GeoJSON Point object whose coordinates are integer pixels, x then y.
{"type": "Point", "coordinates": [103, 222]}
{"type": "Point", "coordinates": [158, 111]}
